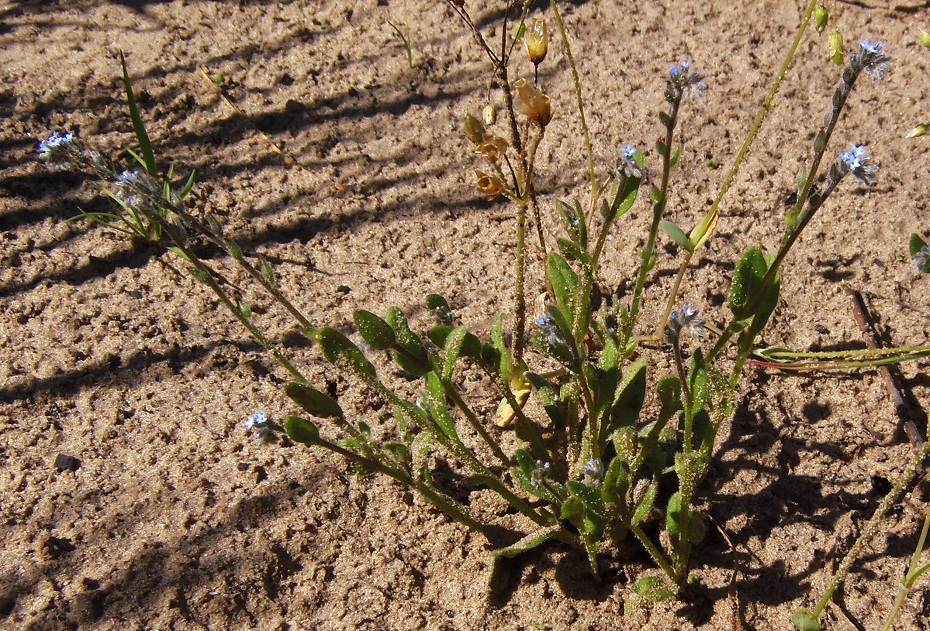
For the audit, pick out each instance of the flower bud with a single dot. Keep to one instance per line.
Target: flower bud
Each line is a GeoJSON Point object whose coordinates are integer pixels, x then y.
{"type": "Point", "coordinates": [474, 130]}
{"type": "Point", "coordinates": [925, 38]}
{"type": "Point", "coordinates": [918, 131]}
{"type": "Point", "coordinates": [835, 47]}
{"type": "Point", "coordinates": [821, 15]}
{"type": "Point", "coordinates": [488, 184]}
{"type": "Point", "coordinates": [536, 41]}
{"type": "Point", "coordinates": [490, 114]}
{"type": "Point", "coordinates": [534, 103]}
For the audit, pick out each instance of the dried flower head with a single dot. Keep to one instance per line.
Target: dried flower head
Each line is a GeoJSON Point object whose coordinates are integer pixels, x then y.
{"type": "Point", "coordinates": [920, 260]}
{"type": "Point", "coordinates": [488, 184]}
{"type": "Point", "coordinates": [592, 472]}
{"type": "Point", "coordinates": [534, 103]}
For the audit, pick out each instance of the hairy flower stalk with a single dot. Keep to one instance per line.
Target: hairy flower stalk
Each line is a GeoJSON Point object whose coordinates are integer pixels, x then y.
{"type": "Point", "coordinates": [682, 80]}
{"type": "Point", "coordinates": [874, 60]}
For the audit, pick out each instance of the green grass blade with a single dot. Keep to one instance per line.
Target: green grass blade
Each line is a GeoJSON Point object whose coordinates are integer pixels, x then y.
{"type": "Point", "coordinates": [137, 125]}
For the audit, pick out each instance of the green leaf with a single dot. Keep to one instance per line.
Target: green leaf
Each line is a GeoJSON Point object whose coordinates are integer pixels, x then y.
{"type": "Point", "coordinates": [677, 234]}
{"type": "Point", "coordinates": [661, 148]}
{"type": "Point", "coordinates": [916, 244]}
{"type": "Point", "coordinates": [616, 484]}
{"type": "Point", "coordinates": [590, 496]}
{"type": "Point", "coordinates": [342, 353]}
{"type": "Point", "coordinates": [409, 351]}
{"type": "Point", "coordinates": [572, 508]}
{"type": "Point", "coordinates": [400, 452]}
{"type": "Point", "coordinates": [499, 348]}
{"type": "Point", "coordinates": [137, 125]}
{"type": "Point", "coordinates": [573, 222]}
{"type": "Point", "coordinates": [747, 279]}
{"type": "Point", "coordinates": [527, 543]}
{"type": "Point", "coordinates": [436, 399]}
{"type": "Point", "coordinates": [453, 348]}
{"type": "Point", "coordinates": [301, 430]}
{"type": "Point", "coordinates": [653, 588]}
{"type": "Point", "coordinates": [645, 503]}
{"type": "Point", "coordinates": [471, 346]}
{"type": "Point", "coordinates": [375, 331]}
{"type": "Point", "coordinates": [312, 401]}
{"type": "Point", "coordinates": [564, 284]}
{"type": "Point", "coordinates": [673, 159]}
{"type": "Point", "coordinates": [629, 399]}
{"type": "Point", "coordinates": [572, 251]}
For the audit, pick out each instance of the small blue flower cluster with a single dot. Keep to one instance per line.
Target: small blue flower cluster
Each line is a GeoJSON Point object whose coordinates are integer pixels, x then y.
{"type": "Point", "coordinates": [257, 423]}
{"type": "Point", "coordinates": [858, 162]}
{"type": "Point", "coordinates": [592, 472]}
{"type": "Point", "coordinates": [627, 162]}
{"type": "Point", "coordinates": [874, 59]}
{"type": "Point", "coordinates": [547, 326]}
{"type": "Point", "coordinates": [685, 319]}
{"type": "Point", "coordinates": [683, 78]}
{"type": "Point", "coordinates": [540, 473]}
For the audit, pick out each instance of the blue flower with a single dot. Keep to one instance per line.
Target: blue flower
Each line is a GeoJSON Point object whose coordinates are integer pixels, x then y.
{"type": "Point", "coordinates": [627, 162]}
{"type": "Point", "coordinates": [858, 162]}
{"type": "Point", "coordinates": [683, 78]}
{"type": "Point", "coordinates": [255, 420]}
{"type": "Point", "coordinates": [685, 319]}
{"type": "Point", "coordinates": [55, 146]}
{"type": "Point", "coordinates": [874, 59]}
{"type": "Point", "coordinates": [593, 472]}
{"type": "Point", "coordinates": [547, 326]}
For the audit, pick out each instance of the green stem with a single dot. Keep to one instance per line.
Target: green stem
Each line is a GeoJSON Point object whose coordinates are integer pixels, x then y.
{"type": "Point", "coordinates": [912, 574]}
{"type": "Point", "coordinates": [654, 552]}
{"type": "Point", "coordinates": [657, 211]}
{"type": "Point", "coordinates": [472, 419]}
{"type": "Point", "coordinates": [747, 143]}
{"type": "Point", "coordinates": [872, 527]}
{"type": "Point", "coordinates": [441, 501]}
{"type": "Point", "coordinates": [578, 96]}
{"type": "Point", "coordinates": [208, 278]}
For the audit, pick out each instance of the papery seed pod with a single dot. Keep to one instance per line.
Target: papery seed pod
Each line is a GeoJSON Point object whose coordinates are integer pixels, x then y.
{"type": "Point", "coordinates": [536, 41]}
{"type": "Point", "coordinates": [490, 114]}
{"type": "Point", "coordinates": [488, 184]}
{"type": "Point", "coordinates": [492, 147]}
{"type": "Point", "coordinates": [474, 130]}
{"type": "Point", "coordinates": [534, 103]}
{"type": "Point", "coordinates": [821, 16]}
{"type": "Point", "coordinates": [835, 47]}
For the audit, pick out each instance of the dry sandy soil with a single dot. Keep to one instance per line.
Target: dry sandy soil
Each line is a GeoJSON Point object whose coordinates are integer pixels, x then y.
{"type": "Point", "coordinates": [169, 516]}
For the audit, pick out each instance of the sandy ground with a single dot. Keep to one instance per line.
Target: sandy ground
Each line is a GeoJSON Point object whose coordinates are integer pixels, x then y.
{"type": "Point", "coordinates": [169, 516]}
